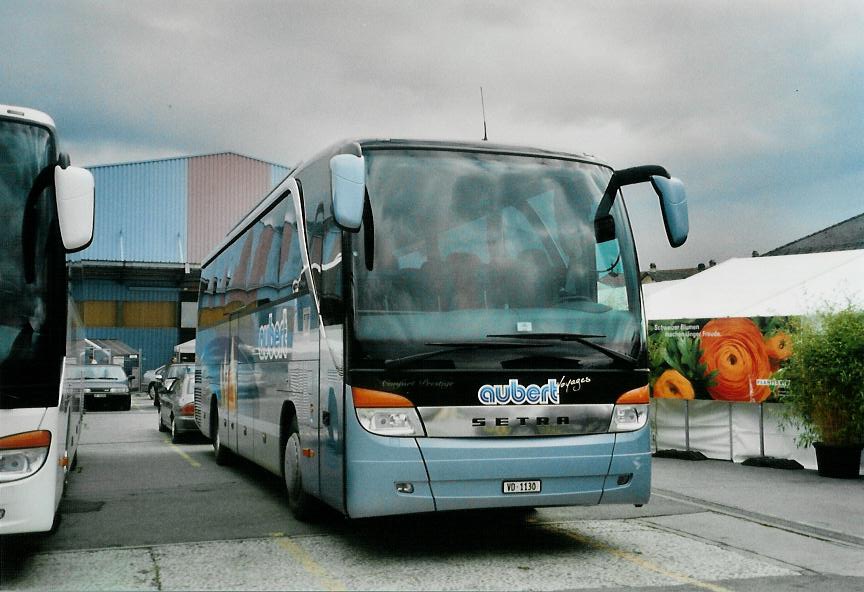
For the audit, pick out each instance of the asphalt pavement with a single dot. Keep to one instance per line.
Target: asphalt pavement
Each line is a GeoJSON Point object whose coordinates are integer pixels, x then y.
{"type": "Point", "coordinates": [796, 500]}
{"type": "Point", "coordinates": [133, 520]}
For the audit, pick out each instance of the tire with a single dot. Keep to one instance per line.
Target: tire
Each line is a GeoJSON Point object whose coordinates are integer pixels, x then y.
{"type": "Point", "coordinates": [126, 405]}
{"type": "Point", "coordinates": [299, 502]}
{"type": "Point", "coordinates": [151, 390]}
{"type": "Point", "coordinates": [162, 427]}
{"type": "Point", "coordinates": [220, 453]}
{"type": "Point", "coordinates": [175, 435]}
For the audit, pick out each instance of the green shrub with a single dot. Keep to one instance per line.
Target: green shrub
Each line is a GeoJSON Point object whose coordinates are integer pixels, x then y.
{"type": "Point", "coordinates": [825, 398]}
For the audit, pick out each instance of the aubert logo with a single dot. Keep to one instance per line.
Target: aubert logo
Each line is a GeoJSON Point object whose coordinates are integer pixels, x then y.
{"type": "Point", "coordinates": [513, 392]}
{"type": "Point", "coordinates": [274, 338]}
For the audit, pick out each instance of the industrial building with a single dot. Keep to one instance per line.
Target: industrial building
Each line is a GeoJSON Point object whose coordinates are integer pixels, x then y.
{"type": "Point", "coordinates": [137, 283]}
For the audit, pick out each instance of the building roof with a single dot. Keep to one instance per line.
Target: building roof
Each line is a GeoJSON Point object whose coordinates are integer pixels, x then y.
{"type": "Point", "coordinates": [670, 275]}
{"type": "Point", "coordinates": [844, 236]}
{"type": "Point", "coordinates": [96, 167]}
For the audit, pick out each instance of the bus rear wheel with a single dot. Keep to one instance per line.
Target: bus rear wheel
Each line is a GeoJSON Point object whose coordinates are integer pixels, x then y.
{"type": "Point", "coordinates": [299, 502]}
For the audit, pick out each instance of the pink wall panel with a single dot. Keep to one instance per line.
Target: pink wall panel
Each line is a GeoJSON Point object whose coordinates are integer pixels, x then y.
{"type": "Point", "coordinates": [222, 189]}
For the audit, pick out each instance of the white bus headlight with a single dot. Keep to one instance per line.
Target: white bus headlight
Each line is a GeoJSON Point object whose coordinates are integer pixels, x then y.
{"type": "Point", "coordinates": [23, 454]}
{"type": "Point", "coordinates": [628, 418]}
{"type": "Point", "coordinates": [391, 422]}
{"type": "Point", "coordinates": [387, 414]}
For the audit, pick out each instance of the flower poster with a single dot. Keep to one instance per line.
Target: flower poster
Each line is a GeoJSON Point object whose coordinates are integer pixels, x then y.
{"type": "Point", "coordinates": [739, 360]}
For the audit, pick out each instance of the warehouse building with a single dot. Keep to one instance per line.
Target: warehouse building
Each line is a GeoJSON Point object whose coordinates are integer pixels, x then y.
{"type": "Point", "coordinates": [137, 283]}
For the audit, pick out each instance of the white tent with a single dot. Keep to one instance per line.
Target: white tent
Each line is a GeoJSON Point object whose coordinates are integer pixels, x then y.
{"type": "Point", "coordinates": [764, 286]}
{"type": "Point", "coordinates": [184, 350]}
{"type": "Point", "coordinates": [790, 285]}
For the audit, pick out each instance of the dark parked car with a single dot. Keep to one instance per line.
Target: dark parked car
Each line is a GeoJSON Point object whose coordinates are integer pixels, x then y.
{"type": "Point", "coordinates": [104, 385]}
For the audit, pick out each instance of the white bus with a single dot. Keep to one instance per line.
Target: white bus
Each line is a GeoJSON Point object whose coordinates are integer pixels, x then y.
{"type": "Point", "coordinates": [47, 211]}
{"type": "Point", "coordinates": [415, 326]}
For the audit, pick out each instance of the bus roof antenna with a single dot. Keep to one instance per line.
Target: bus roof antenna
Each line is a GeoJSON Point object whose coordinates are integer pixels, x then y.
{"type": "Point", "coordinates": [483, 107]}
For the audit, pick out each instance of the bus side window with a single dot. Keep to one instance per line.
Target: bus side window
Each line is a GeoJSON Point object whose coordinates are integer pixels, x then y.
{"type": "Point", "coordinates": [290, 262]}
{"type": "Point", "coordinates": [264, 271]}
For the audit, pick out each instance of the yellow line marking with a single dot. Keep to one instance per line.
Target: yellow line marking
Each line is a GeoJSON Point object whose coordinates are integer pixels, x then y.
{"type": "Point", "coordinates": [643, 563]}
{"type": "Point", "coordinates": [309, 564]}
{"type": "Point", "coordinates": [185, 456]}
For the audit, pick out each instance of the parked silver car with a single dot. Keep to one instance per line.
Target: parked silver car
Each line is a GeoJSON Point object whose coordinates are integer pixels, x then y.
{"type": "Point", "coordinates": [170, 373]}
{"type": "Point", "coordinates": [177, 408]}
{"type": "Point", "coordinates": [104, 385]}
{"type": "Point", "coordinates": [153, 380]}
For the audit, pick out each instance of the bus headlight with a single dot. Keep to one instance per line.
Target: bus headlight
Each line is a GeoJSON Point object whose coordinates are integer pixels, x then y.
{"type": "Point", "coordinates": [628, 418]}
{"type": "Point", "coordinates": [387, 414]}
{"type": "Point", "coordinates": [391, 422]}
{"type": "Point", "coordinates": [21, 455]}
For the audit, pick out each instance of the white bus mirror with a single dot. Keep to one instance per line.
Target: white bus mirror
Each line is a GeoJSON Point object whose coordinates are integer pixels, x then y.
{"type": "Point", "coordinates": [348, 184]}
{"type": "Point", "coordinates": [74, 188]}
{"type": "Point", "coordinates": [673, 205]}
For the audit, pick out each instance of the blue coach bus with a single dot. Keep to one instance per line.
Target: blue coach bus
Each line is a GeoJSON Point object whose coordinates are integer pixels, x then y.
{"type": "Point", "coordinates": [416, 326]}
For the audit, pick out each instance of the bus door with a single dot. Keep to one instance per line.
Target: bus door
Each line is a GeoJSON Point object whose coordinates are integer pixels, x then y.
{"type": "Point", "coordinates": [325, 253]}
{"type": "Point", "coordinates": [331, 405]}
{"type": "Point", "coordinates": [229, 384]}
{"type": "Point", "coordinates": [244, 329]}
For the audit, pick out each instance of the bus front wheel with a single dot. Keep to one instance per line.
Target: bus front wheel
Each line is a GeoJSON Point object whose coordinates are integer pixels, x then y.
{"type": "Point", "coordinates": [299, 502]}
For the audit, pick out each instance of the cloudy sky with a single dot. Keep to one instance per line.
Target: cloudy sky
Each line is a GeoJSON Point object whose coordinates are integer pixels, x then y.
{"type": "Point", "coordinates": [758, 106]}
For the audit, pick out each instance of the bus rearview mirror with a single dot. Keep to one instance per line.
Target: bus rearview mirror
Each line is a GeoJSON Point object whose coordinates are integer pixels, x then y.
{"type": "Point", "coordinates": [75, 190]}
{"type": "Point", "coordinates": [673, 205]}
{"type": "Point", "coordinates": [348, 184]}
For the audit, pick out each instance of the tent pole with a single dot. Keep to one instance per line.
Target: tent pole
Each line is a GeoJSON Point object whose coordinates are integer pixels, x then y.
{"type": "Point", "coordinates": [761, 429]}
{"type": "Point", "coordinates": [731, 443]}
{"type": "Point", "coordinates": [687, 425]}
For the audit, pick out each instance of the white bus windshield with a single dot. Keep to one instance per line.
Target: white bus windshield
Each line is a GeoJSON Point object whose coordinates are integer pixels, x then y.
{"type": "Point", "coordinates": [474, 248]}
{"type": "Point", "coordinates": [25, 323]}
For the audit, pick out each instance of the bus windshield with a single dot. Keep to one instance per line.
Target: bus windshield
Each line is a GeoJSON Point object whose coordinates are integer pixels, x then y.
{"type": "Point", "coordinates": [24, 309]}
{"type": "Point", "coordinates": [490, 260]}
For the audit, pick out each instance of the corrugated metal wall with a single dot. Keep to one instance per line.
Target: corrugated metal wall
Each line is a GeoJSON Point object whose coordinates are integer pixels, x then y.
{"type": "Point", "coordinates": [170, 211]}
{"type": "Point", "coordinates": [140, 212]}
{"type": "Point", "coordinates": [156, 345]}
{"type": "Point", "coordinates": [173, 210]}
{"type": "Point", "coordinates": [110, 290]}
{"type": "Point", "coordinates": [277, 174]}
{"type": "Point", "coordinates": [222, 188]}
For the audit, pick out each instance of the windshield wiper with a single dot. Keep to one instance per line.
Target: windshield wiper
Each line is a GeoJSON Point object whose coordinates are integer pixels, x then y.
{"type": "Point", "coordinates": [455, 346]}
{"type": "Point", "coordinates": [581, 338]}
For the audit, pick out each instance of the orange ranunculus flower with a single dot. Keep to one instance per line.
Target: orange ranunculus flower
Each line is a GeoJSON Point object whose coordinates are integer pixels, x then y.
{"type": "Point", "coordinates": [779, 348]}
{"type": "Point", "coordinates": [673, 385]}
{"type": "Point", "coordinates": [736, 350]}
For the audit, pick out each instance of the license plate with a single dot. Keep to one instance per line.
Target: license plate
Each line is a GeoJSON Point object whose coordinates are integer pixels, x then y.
{"type": "Point", "coordinates": [522, 486]}
{"type": "Point", "coordinates": [100, 395]}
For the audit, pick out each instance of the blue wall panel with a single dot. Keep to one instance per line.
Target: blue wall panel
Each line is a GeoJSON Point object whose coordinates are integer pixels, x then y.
{"type": "Point", "coordinates": [277, 173]}
{"type": "Point", "coordinates": [140, 212]}
{"type": "Point", "coordinates": [109, 290]}
{"type": "Point", "coordinates": [156, 345]}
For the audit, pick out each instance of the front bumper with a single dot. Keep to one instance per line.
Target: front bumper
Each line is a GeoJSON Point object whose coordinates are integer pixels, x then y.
{"type": "Point", "coordinates": [468, 473]}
